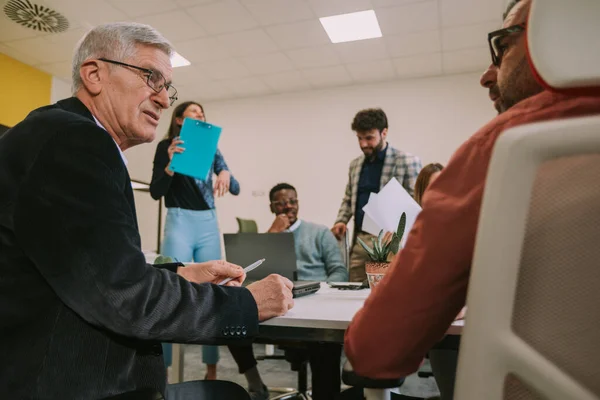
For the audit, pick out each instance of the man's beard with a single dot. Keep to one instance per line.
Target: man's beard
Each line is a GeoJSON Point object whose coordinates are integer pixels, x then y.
{"type": "Point", "coordinates": [374, 150]}
{"type": "Point", "coordinates": [520, 85]}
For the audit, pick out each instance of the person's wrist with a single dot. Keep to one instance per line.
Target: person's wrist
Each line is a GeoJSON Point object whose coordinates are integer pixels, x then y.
{"type": "Point", "coordinates": [168, 171]}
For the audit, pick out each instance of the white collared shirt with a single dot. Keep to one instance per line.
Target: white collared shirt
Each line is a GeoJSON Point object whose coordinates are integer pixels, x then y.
{"type": "Point", "coordinates": [294, 226]}
{"type": "Point", "coordinates": [120, 151]}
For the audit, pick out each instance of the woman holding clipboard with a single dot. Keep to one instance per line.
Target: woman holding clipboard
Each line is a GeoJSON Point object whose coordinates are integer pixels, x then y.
{"type": "Point", "coordinates": [191, 227]}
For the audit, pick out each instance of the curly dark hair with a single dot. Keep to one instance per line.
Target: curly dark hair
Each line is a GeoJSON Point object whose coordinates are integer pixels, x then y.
{"type": "Point", "coordinates": [369, 119]}
{"type": "Point", "coordinates": [278, 187]}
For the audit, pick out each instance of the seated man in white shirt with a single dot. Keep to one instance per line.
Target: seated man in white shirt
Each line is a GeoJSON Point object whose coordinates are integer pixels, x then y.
{"type": "Point", "coordinates": [318, 258]}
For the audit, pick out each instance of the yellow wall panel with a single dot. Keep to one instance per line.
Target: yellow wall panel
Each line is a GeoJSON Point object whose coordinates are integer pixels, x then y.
{"type": "Point", "coordinates": [23, 88]}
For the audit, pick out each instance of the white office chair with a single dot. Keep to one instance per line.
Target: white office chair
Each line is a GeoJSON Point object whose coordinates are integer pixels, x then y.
{"type": "Point", "coordinates": [533, 324]}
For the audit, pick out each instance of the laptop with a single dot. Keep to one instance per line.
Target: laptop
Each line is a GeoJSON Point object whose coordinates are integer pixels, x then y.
{"type": "Point", "coordinates": [278, 251]}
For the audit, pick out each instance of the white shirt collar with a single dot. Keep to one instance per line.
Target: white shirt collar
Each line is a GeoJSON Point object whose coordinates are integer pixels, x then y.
{"type": "Point", "coordinates": [294, 226]}
{"type": "Point", "coordinates": [120, 151]}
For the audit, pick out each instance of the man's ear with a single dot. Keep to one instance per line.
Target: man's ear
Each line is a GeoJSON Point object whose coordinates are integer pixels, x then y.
{"type": "Point", "coordinates": [89, 72]}
{"type": "Point", "coordinates": [272, 209]}
{"type": "Point", "coordinates": [384, 133]}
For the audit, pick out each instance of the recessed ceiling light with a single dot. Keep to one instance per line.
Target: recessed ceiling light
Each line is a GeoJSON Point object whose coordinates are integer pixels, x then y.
{"type": "Point", "coordinates": [350, 27]}
{"type": "Point", "coordinates": [177, 60]}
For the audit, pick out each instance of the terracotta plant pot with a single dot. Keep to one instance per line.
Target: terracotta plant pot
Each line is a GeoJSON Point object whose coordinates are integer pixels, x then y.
{"type": "Point", "coordinates": [375, 272]}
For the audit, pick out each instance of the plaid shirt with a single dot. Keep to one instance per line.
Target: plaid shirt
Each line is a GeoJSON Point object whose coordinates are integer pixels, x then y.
{"type": "Point", "coordinates": [403, 166]}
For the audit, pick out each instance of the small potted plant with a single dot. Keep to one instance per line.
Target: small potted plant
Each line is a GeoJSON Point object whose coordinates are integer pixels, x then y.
{"type": "Point", "coordinates": [380, 252]}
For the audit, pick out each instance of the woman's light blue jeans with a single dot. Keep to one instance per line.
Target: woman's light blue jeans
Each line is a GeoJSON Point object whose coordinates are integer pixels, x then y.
{"type": "Point", "coordinates": [192, 236]}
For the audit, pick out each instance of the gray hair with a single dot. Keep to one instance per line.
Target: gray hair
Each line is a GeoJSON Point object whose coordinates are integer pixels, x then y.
{"type": "Point", "coordinates": [115, 41]}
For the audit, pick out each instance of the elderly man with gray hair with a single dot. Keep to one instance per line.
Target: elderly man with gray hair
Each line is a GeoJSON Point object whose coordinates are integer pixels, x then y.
{"type": "Point", "coordinates": [82, 313]}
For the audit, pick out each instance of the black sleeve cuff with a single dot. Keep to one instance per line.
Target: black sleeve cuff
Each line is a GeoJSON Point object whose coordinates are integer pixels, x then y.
{"type": "Point", "coordinates": [169, 266]}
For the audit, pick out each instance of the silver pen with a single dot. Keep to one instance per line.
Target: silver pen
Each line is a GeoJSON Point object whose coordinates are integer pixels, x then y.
{"type": "Point", "coordinates": [246, 270]}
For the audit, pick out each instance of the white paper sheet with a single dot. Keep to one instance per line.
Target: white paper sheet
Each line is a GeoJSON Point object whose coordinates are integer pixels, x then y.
{"type": "Point", "coordinates": [383, 211]}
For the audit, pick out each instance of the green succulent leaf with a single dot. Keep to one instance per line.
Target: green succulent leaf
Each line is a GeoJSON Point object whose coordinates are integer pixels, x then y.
{"type": "Point", "coordinates": [367, 249]}
{"type": "Point", "coordinates": [395, 244]}
{"type": "Point", "coordinates": [401, 226]}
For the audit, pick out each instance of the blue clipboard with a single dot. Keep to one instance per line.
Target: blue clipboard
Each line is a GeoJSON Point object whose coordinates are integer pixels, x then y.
{"type": "Point", "coordinates": [200, 140]}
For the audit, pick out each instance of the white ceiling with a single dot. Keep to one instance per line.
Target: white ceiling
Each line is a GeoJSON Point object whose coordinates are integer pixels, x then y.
{"type": "Point", "coordinates": [241, 48]}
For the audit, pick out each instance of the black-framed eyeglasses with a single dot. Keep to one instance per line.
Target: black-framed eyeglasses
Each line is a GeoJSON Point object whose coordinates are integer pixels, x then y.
{"type": "Point", "coordinates": [154, 79]}
{"type": "Point", "coordinates": [283, 203]}
{"type": "Point", "coordinates": [497, 44]}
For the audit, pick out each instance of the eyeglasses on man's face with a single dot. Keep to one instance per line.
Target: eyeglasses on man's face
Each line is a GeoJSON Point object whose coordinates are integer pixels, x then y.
{"type": "Point", "coordinates": [498, 41]}
{"type": "Point", "coordinates": [154, 79]}
{"type": "Point", "coordinates": [284, 203]}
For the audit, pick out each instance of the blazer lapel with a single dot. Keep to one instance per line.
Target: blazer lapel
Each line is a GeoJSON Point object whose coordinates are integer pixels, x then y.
{"type": "Point", "coordinates": [355, 177]}
{"type": "Point", "coordinates": [389, 167]}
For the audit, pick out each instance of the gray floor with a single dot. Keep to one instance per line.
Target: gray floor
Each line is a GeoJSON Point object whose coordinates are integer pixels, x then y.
{"type": "Point", "coordinates": [277, 373]}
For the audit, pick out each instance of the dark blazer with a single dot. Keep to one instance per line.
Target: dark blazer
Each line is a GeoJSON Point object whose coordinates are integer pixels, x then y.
{"type": "Point", "coordinates": [81, 313]}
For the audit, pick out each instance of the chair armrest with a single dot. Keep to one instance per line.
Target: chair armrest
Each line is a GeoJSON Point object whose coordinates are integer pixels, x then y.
{"type": "Point", "coordinates": [353, 379]}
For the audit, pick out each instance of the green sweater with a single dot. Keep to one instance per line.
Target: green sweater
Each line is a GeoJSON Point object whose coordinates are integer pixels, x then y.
{"type": "Point", "coordinates": [318, 255]}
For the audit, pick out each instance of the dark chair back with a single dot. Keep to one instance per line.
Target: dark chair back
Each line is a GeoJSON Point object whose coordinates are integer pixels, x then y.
{"type": "Point", "coordinates": [247, 225]}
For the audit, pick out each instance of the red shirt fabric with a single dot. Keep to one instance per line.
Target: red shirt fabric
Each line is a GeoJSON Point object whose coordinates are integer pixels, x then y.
{"type": "Point", "coordinates": [425, 289]}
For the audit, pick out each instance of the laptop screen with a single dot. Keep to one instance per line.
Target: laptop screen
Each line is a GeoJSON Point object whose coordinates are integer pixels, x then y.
{"type": "Point", "coordinates": [276, 248]}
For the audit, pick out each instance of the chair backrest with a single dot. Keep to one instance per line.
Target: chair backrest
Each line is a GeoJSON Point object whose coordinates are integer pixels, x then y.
{"type": "Point", "coordinates": [532, 327]}
{"type": "Point", "coordinates": [562, 38]}
{"type": "Point", "coordinates": [247, 225]}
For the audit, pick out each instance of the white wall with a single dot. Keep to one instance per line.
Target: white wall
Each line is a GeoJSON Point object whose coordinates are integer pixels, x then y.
{"type": "Point", "coordinates": [305, 139]}
{"type": "Point", "coordinates": [60, 90]}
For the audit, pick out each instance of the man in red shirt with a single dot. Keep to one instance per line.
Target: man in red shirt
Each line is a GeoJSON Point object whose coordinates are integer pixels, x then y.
{"type": "Point", "coordinates": [415, 304]}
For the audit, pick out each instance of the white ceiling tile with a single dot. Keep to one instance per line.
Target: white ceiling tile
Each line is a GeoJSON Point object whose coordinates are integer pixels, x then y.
{"type": "Point", "coordinates": [193, 3]}
{"type": "Point", "coordinates": [96, 13]}
{"type": "Point", "coordinates": [248, 42]}
{"type": "Point", "coordinates": [328, 76]}
{"type": "Point", "coordinates": [225, 69]}
{"type": "Point", "coordinates": [390, 3]}
{"type": "Point", "coordinates": [413, 43]}
{"type": "Point", "coordinates": [248, 87]}
{"type": "Point", "coordinates": [419, 66]}
{"type": "Point", "coordinates": [175, 25]}
{"type": "Point", "coordinates": [203, 50]}
{"type": "Point", "coordinates": [286, 81]}
{"type": "Point", "coordinates": [298, 35]}
{"type": "Point", "coordinates": [362, 50]}
{"type": "Point", "coordinates": [10, 30]}
{"type": "Point", "coordinates": [138, 8]}
{"type": "Point", "coordinates": [372, 71]}
{"type": "Point", "coordinates": [414, 17]}
{"type": "Point", "coordinates": [204, 91]}
{"type": "Point", "coordinates": [326, 8]}
{"type": "Point", "coordinates": [312, 57]}
{"type": "Point", "coordinates": [61, 70]}
{"type": "Point", "coordinates": [68, 38]}
{"type": "Point", "coordinates": [267, 63]}
{"type": "Point", "coordinates": [43, 49]}
{"type": "Point", "coordinates": [275, 12]}
{"type": "Point", "coordinates": [464, 37]}
{"type": "Point", "coordinates": [469, 60]}
{"type": "Point", "coordinates": [463, 12]}
{"type": "Point", "coordinates": [26, 58]}
{"type": "Point", "coordinates": [190, 75]}
{"type": "Point", "coordinates": [222, 17]}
